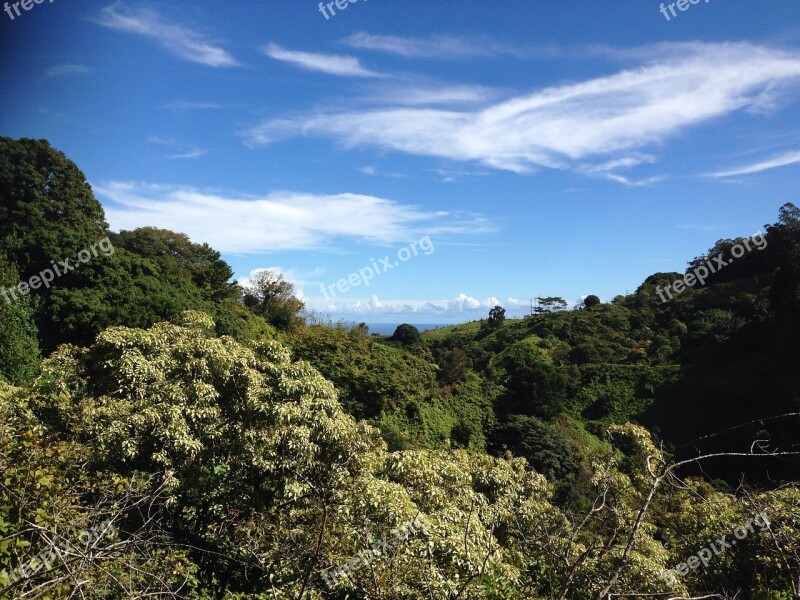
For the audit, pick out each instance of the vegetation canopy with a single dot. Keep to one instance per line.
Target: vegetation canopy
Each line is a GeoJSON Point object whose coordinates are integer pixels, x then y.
{"type": "Point", "coordinates": [166, 433]}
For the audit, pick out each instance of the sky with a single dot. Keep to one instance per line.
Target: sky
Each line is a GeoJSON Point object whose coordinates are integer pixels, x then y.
{"type": "Point", "coordinates": [421, 161]}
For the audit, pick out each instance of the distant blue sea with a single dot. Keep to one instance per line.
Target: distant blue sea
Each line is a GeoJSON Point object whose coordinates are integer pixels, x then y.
{"type": "Point", "coordinates": [388, 328]}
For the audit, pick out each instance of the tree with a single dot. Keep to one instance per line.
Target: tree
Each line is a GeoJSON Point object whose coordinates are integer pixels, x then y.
{"type": "Point", "coordinates": [272, 297]}
{"type": "Point", "coordinates": [497, 316]}
{"type": "Point", "coordinates": [545, 448]}
{"type": "Point", "coordinates": [455, 366]}
{"type": "Point", "coordinates": [789, 216]}
{"type": "Point", "coordinates": [654, 470]}
{"type": "Point", "coordinates": [551, 304]}
{"type": "Point", "coordinates": [228, 429]}
{"type": "Point", "coordinates": [590, 301]}
{"type": "Point", "coordinates": [371, 378]}
{"type": "Point", "coordinates": [49, 214]}
{"type": "Point", "coordinates": [178, 257]}
{"type": "Point", "coordinates": [784, 238]}
{"type": "Point", "coordinates": [256, 462]}
{"type": "Point", "coordinates": [360, 329]}
{"type": "Point", "coordinates": [19, 350]}
{"type": "Point", "coordinates": [47, 208]}
{"type": "Point", "coordinates": [101, 534]}
{"type": "Point", "coordinates": [535, 386]}
{"type": "Point", "coordinates": [228, 470]}
{"type": "Point", "coordinates": [407, 335]}
{"type": "Point", "coordinates": [121, 289]}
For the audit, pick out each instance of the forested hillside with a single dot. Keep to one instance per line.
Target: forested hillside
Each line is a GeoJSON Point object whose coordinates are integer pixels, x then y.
{"type": "Point", "coordinates": [166, 433]}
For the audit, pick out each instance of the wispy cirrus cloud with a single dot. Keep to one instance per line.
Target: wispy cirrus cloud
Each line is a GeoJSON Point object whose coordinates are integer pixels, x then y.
{"type": "Point", "coordinates": [783, 160]}
{"type": "Point", "coordinates": [571, 126]}
{"type": "Point", "coordinates": [277, 221]}
{"type": "Point", "coordinates": [185, 106]}
{"type": "Point", "coordinates": [332, 64]}
{"type": "Point", "coordinates": [609, 170]}
{"type": "Point", "coordinates": [440, 46]}
{"type": "Point", "coordinates": [415, 93]}
{"type": "Point", "coordinates": [182, 151]}
{"type": "Point", "coordinates": [372, 170]}
{"type": "Point", "coordinates": [460, 47]}
{"type": "Point", "coordinates": [65, 70]}
{"type": "Point", "coordinates": [177, 39]}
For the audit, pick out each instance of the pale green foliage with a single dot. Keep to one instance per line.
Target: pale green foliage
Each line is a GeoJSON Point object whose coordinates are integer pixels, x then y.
{"type": "Point", "coordinates": [768, 545]}
{"type": "Point", "coordinates": [47, 504]}
{"type": "Point", "coordinates": [481, 511]}
{"type": "Point", "coordinates": [262, 444]}
{"type": "Point", "coordinates": [252, 463]}
{"type": "Point", "coordinates": [177, 398]}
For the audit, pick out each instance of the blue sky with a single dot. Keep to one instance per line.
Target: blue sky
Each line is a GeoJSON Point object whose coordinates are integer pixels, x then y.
{"type": "Point", "coordinates": [544, 148]}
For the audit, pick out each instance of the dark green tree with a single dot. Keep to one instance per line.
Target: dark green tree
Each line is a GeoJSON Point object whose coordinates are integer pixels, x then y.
{"type": "Point", "coordinates": [455, 366]}
{"type": "Point", "coordinates": [47, 209]}
{"type": "Point", "coordinates": [177, 255]}
{"type": "Point", "coordinates": [19, 349]}
{"type": "Point", "coordinates": [545, 448]}
{"type": "Point", "coordinates": [789, 216]}
{"type": "Point", "coordinates": [551, 304]}
{"type": "Point", "coordinates": [121, 289]}
{"type": "Point", "coordinates": [784, 239]}
{"type": "Point", "coordinates": [497, 316]}
{"type": "Point", "coordinates": [590, 301]}
{"type": "Point", "coordinates": [534, 386]}
{"type": "Point", "coordinates": [407, 335]}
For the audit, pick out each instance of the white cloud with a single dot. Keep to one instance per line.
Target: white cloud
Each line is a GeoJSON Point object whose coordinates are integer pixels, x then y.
{"type": "Point", "coordinates": [460, 47]}
{"type": "Point", "coordinates": [789, 158]}
{"type": "Point", "coordinates": [184, 151]}
{"type": "Point", "coordinates": [332, 64]}
{"type": "Point", "coordinates": [608, 170]}
{"type": "Point", "coordinates": [463, 301]}
{"type": "Point", "coordinates": [413, 93]}
{"type": "Point", "coordinates": [277, 221]}
{"type": "Point", "coordinates": [65, 70]}
{"type": "Point", "coordinates": [461, 308]}
{"type": "Point", "coordinates": [633, 182]}
{"type": "Point", "coordinates": [179, 40]}
{"type": "Point", "coordinates": [193, 153]}
{"type": "Point", "coordinates": [603, 120]}
{"type": "Point", "coordinates": [439, 46]}
{"type": "Point", "coordinates": [449, 175]}
{"type": "Point", "coordinates": [374, 171]}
